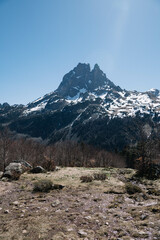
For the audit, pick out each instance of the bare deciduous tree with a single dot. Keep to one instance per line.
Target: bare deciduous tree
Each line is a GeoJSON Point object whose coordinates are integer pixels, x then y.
{"type": "Point", "coordinates": [5, 143]}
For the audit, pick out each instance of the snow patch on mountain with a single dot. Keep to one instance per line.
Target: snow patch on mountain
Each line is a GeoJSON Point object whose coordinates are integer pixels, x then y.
{"type": "Point", "coordinates": [37, 108]}
{"type": "Point", "coordinates": [77, 97]}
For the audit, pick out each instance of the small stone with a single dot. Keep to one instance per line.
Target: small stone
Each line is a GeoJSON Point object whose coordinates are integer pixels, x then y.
{"type": "Point", "coordinates": [143, 216]}
{"type": "Point", "coordinates": [16, 203]}
{"type": "Point", "coordinates": [70, 229]}
{"type": "Point", "coordinates": [24, 231]}
{"type": "Point", "coordinates": [106, 223]}
{"type": "Point", "coordinates": [6, 211]}
{"type": "Point", "coordinates": [88, 217]}
{"type": "Point", "coordinates": [55, 203]}
{"type": "Point", "coordinates": [82, 233]}
{"type": "Point", "coordinates": [59, 210]}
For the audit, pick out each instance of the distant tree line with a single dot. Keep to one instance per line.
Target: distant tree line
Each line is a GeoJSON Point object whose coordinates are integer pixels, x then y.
{"type": "Point", "coordinates": [65, 154]}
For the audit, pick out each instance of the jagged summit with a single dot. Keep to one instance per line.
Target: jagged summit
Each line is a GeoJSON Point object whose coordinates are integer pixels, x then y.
{"type": "Point", "coordinates": [91, 86]}
{"type": "Point", "coordinates": [82, 67]}
{"type": "Point", "coordinates": [96, 66]}
{"type": "Point", "coordinates": [83, 79]}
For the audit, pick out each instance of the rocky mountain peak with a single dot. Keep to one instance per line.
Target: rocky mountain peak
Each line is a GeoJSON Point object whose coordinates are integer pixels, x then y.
{"type": "Point", "coordinates": [83, 79]}
{"type": "Point", "coordinates": [82, 68]}
{"type": "Point", "coordinates": [96, 67]}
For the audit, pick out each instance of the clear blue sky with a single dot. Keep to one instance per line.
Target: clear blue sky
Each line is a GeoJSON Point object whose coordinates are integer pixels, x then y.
{"type": "Point", "coordinates": [41, 40]}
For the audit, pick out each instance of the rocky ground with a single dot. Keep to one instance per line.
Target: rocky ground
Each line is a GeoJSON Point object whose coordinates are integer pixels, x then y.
{"type": "Point", "coordinates": [89, 211]}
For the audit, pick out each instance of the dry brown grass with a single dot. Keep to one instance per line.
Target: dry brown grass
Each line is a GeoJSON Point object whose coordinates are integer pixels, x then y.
{"type": "Point", "coordinates": [100, 208]}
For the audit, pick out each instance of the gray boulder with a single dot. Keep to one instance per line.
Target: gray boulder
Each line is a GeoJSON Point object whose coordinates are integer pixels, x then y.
{"type": "Point", "coordinates": [25, 165]}
{"type": "Point", "coordinates": [38, 169]}
{"type": "Point", "coordinates": [13, 171]}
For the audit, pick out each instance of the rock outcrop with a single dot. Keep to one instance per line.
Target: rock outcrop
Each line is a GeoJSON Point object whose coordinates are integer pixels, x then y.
{"type": "Point", "coordinates": [13, 171]}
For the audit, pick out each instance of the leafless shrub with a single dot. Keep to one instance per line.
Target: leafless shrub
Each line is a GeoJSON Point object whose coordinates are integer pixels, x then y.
{"type": "Point", "coordinates": [86, 178]}
{"type": "Point", "coordinates": [42, 186]}
{"type": "Point", "coordinates": [100, 176]}
{"type": "Point", "coordinates": [132, 188]}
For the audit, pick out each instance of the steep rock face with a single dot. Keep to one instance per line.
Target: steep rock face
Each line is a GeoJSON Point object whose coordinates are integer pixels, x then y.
{"type": "Point", "coordinates": [74, 81]}
{"type": "Point", "coordinates": [87, 107]}
{"type": "Point", "coordinates": [81, 80]}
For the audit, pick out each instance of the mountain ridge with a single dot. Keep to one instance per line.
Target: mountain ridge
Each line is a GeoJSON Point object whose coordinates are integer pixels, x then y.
{"type": "Point", "coordinates": [82, 84]}
{"type": "Point", "coordinates": [87, 107]}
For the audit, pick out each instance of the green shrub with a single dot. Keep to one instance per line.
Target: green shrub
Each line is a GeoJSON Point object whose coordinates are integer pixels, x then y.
{"type": "Point", "coordinates": [132, 188]}
{"type": "Point", "coordinates": [86, 178]}
{"type": "Point", "coordinates": [99, 176]}
{"type": "Point", "coordinates": [42, 186]}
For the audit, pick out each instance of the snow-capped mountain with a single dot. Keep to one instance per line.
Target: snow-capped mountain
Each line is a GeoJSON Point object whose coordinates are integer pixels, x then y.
{"type": "Point", "coordinates": [87, 107]}
{"type": "Point", "coordinates": [83, 84]}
